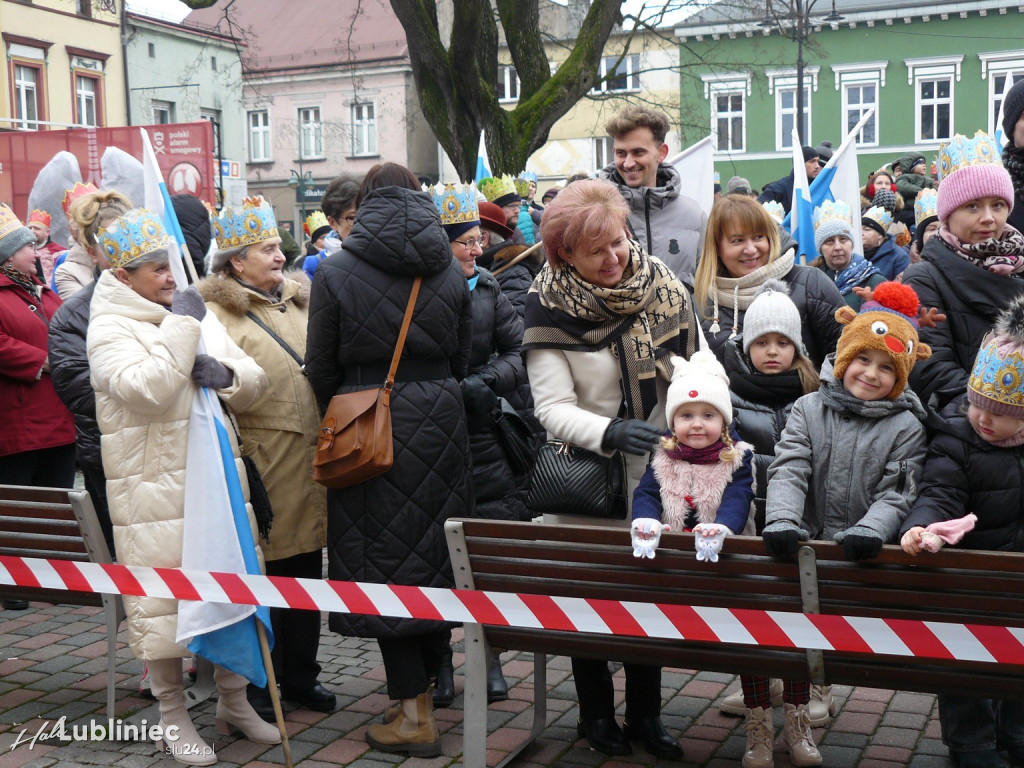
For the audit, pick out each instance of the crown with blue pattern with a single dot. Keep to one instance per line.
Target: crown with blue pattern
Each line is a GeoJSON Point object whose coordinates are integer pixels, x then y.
{"type": "Point", "coordinates": [775, 210]}
{"type": "Point", "coordinates": [253, 223]}
{"type": "Point", "coordinates": [133, 235]}
{"type": "Point", "coordinates": [879, 215]}
{"type": "Point", "coordinates": [529, 176]}
{"type": "Point", "coordinates": [455, 202]}
{"type": "Point", "coordinates": [831, 219]}
{"type": "Point", "coordinates": [996, 380]}
{"type": "Point", "coordinates": [926, 205]}
{"type": "Point", "coordinates": [962, 152]}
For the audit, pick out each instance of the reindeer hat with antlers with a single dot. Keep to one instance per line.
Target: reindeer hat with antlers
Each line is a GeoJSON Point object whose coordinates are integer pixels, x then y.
{"type": "Point", "coordinates": [889, 320]}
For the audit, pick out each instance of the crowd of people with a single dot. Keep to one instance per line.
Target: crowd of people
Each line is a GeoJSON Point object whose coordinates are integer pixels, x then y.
{"type": "Point", "coordinates": [717, 384]}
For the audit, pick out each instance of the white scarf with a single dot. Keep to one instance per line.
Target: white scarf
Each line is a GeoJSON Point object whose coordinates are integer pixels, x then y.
{"type": "Point", "coordinates": [742, 290]}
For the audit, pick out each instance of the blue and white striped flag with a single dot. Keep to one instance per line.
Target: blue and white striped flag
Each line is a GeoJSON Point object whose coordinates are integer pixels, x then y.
{"type": "Point", "coordinates": [483, 165]}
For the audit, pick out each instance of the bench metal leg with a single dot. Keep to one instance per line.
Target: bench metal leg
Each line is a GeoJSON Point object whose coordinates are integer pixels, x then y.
{"type": "Point", "coordinates": [112, 620]}
{"type": "Point", "coordinates": [474, 718]}
{"type": "Point", "coordinates": [809, 591]}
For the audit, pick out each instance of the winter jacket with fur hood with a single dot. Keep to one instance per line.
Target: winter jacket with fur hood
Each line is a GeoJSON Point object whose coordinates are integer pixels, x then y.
{"type": "Point", "coordinates": [845, 462]}
{"type": "Point", "coordinates": [279, 430]}
{"type": "Point", "coordinates": [141, 357]}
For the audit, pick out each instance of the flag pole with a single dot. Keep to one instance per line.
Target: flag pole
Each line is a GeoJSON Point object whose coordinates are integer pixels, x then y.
{"type": "Point", "coordinates": [518, 258]}
{"type": "Point", "coordinates": [275, 696]}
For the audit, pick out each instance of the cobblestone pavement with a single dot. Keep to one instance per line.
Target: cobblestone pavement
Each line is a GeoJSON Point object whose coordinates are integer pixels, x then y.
{"type": "Point", "coordinates": [53, 665]}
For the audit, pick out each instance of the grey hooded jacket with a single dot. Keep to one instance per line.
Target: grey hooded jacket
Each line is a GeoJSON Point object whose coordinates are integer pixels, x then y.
{"type": "Point", "coordinates": [845, 462]}
{"type": "Point", "coordinates": [667, 223]}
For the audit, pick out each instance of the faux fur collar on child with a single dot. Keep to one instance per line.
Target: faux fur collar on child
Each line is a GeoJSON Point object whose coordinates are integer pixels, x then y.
{"type": "Point", "coordinates": [703, 483]}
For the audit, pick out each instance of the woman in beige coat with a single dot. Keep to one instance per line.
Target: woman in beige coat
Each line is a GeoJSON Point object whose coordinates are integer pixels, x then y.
{"type": "Point", "coordinates": [145, 370]}
{"type": "Point", "coordinates": [256, 302]}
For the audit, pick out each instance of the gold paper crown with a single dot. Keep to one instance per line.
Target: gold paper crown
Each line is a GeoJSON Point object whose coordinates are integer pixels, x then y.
{"type": "Point", "coordinates": [9, 221]}
{"type": "Point", "coordinates": [132, 236]}
{"type": "Point", "coordinates": [926, 205]}
{"type": "Point", "coordinates": [252, 223]}
{"type": "Point", "coordinates": [962, 152]}
{"type": "Point", "coordinates": [494, 188]}
{"type": "Point", "coordinates": [522, 187]}
{"type": "Point", "coordinates": [314, 221]}
{"type": "Point", "coordinates": [832, 210]}
{"type": "Point", "coordinates": [879, 215]}
{"type": "Point", "coordinates": [775, 210]}
{"type": "Point", "coordinates": [456, 203]}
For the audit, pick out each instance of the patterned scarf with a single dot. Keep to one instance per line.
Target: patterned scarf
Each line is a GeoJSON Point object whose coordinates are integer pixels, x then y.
{"type": "Point", "coordinates": [1013, 162]}
{"type": "Point", "coordinates": [645, 319]}
{"type": "Point", "coordinates": [859, 270]}
{"type": "Point", "coordinates": [706, 455]}
{"type": "Point", "coordinates": [21, 279]}
{"type": "Point", "coordinates": [1003, 255]}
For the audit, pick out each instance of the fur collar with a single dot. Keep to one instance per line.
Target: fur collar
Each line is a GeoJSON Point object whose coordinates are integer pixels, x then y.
{"type": "Point", "coordinates": [704, 484]}
{"type": "Point", "coordinates": [237, 299]}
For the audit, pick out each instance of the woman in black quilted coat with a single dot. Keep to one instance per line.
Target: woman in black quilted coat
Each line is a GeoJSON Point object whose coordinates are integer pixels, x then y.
{"type": "Point", "coordinates": [390, 529]}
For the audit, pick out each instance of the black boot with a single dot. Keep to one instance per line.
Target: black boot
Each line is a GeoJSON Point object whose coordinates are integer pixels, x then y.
{"type": "Point", "coordinates": [656, 740]}
{"type": "Point", "coordinates": [444, 689]}
{"type": "Point", "coordinates": [261, 702]}
{"type": "Point", "coordinates": [987, 758]}
{"type": "Point", "coordinates": [604, 735]}
{"type": "Point", "coordinates": [497, 687]}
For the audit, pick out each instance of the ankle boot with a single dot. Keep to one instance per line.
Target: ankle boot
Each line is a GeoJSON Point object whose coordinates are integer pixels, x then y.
{"type": "Point", "coordinates": [760, 735]}
{"type": "Point", "coordinates": [183, 743]}
{"type": "Point", "coordinates": [444, 688]}
{"type": "Point", "coordinates": [734, 704]}
{"type": "Point", "coordinates": [413, 731]}
{"type": "Point", "coordinates": [235, 713]}
{"type": "Point", "coordinates": [797, 737]}
{"type": "Point", "coordinates": [822, 706]}
{"type": "Point", "coordinates": [497, 686]}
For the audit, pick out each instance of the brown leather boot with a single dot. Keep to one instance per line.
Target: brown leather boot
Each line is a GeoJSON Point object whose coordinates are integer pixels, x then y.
{"type": "Point", "coordinates": [413, 731]}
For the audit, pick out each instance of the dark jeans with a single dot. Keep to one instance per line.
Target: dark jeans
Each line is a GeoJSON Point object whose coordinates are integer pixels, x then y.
{"type": "Point", "coordinates": [974, 725]}
{"type": "Point", "coordinates": [296, 632]}
{"type": "Point", "coordinates": [411, 662]}
{"type": "Point", "coordinates": [596, 696]}
{"type": "Point", "coordinates": [96, 485]}
{"type": "Point", "coordinates": [45, 468]}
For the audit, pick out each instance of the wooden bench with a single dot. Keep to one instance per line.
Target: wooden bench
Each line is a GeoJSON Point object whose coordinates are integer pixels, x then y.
{"type": "Point", "coordinates": [573, 561]}
{"type": "Point", "coordinates": [59, 524]}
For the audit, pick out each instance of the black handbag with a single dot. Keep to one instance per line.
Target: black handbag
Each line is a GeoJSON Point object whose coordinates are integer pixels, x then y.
{"type": "Point", "coordinates": [514, 436]}
{"type": "Point", "coordinates": [569, 480]}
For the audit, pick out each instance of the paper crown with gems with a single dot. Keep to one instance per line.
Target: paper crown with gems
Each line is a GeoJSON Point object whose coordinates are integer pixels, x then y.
{"type": "Point", "coordinates": [775, 210]}
{"type": "Point", "coordinates": [522, 187]}
{"type": "Point", "coordinates": [499, 191]}
{"type": "Point", "coordinates": [962, 152]}
{"type": "Point", "coordinates": [316, 221]}
{"type": "Point", "coordinates": [529, 176]}
{"type": "Point", "coordinates": [77, 191]}
{"type": "Point", "coordinates": [252, 223]}
{"type": "Point", "coordinates": [39, 217]}
{"type": "Point", "coordinates": [831, 219]}
{"type": "Point", "coordinates": [970, 169]}
{"type": "Point", "coordinates": [455, 202]}
{"type": "Point", "coordinates": [926, 205]}
{"type": "Point", "coordinates": [9, 221]}
{"type": "Point", "coordinates": [132, 236]}
{"type": "Point", "coordinates": [996, 382]}
{"type": "Point", "coordinates": [879, 216]}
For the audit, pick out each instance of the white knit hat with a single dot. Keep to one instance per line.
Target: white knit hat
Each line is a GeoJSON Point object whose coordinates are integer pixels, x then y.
{"type": "Point", "coordinates": [772, 311]}
{"type": "Point", "coordinates": [701, 379]}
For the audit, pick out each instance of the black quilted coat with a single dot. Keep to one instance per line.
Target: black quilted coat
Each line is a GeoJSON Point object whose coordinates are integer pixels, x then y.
{"type": "Point", "coordinates": [971, 298]}
{"type": "Point", "coordinates": [69, 370]}
{"type": "Point", "coordinates": [963, 473]}
{"type": "Point", "coordinates": [495, 356]}
{"type": "Point", "coordinates": [390, 529]}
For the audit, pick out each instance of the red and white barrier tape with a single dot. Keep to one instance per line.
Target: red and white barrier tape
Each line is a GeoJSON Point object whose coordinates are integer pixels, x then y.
{"type": "Point", "coordinates": [899, 637]}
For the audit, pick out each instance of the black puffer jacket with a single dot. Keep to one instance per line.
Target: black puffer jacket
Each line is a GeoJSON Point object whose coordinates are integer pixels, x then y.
{"type": "Point", "coordinates": [69, 370]}
{"type": "Point", "coordinates": [390, 529]}
{"type": "Point", "coordinates": [971, 298]}
{"type": "Point", "coordinates": [760, 408]}
{"type": "Point", "coordinates": [963, 474]}
{"type": "Point", "coordinates": [195, 226]}
{"type": "Point", "coordinates": [495, 357]}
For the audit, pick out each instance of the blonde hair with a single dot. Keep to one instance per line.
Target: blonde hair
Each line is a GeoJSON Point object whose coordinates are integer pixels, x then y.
{"type": "Point", "coordinates": [583, 212]}
{"type": "Point", "coordinates": [728, 454]}
{"type": "Point", "coordinates": [90, 211]}
{"type": "Point", "coordinates": [740, 213]}
{"type": "Point", "coordinates": [809, 379]}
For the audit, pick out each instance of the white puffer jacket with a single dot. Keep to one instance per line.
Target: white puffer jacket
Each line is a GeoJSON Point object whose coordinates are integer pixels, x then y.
{"type": "Point", "coordinates": [141, 357]}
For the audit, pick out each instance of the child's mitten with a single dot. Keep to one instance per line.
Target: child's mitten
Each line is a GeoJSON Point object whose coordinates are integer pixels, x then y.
{"type": "Point", "coordinates": [782, 539]}
{"type": "Point", "coordinates": [708, 539]}
{"type": "Point", "coordinates": [947, 532]}
{"type": "Point", "coordinates": [859, 543]}
{"type": "Point", "coordinates": [646, 533]}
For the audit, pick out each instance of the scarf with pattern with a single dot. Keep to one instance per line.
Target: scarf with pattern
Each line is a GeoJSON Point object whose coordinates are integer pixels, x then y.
{"type": "Point", "coordinates": [1003, 255]}
{"type": "Point", "coordinates": [1013, 162]}
{"type": "Point", "coordinates": [645, 319]}
{"type": "Point", "coordinates": [859, 270]}
{"type": "Point", "coordinates": [19, 278]}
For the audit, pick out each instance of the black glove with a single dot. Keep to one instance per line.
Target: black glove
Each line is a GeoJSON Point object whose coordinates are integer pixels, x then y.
{"type": "Point", "coordinates": [633, 436]}
{"type": "Point", "coordinates": [189, 302]}
{"type": "Point", "coordinates": [208, 371]}
{"type": "Point", "coordinates": [479, 397]}
{"type": "Point", "coordinates": [858, 547]}
{"type": "Point", "coordinates": [781, 542]}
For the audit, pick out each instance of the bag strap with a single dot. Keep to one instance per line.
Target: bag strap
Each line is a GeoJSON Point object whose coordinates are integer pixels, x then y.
{"type": "Point", "coordinates": [406, 321]}
{"type": "Point", "coordinates": [284, 344]}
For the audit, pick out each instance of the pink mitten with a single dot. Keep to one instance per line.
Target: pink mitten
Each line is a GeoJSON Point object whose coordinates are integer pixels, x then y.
{"type": "Point", "coordinates": [947, 532]}
{"type": "Point", "coordinates": [646, 533]}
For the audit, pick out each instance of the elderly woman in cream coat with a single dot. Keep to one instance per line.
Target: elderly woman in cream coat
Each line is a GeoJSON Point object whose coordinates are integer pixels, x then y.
{"type": "Point", "coordinates": [256, 302]}
{"type": "Point", "coordinates": [142, 344]}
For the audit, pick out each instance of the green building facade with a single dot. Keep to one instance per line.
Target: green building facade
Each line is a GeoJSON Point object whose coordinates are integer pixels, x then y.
{"type": "Point", "coordinates": [929, 71]}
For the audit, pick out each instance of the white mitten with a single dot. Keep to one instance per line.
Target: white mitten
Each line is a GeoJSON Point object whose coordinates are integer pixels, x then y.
{"type": "Point", "coordinates": [708, 539]}
{"type": "Point", "coordinates": [931, 542]}
{"type": "Point", "coordinates": [646, 533]}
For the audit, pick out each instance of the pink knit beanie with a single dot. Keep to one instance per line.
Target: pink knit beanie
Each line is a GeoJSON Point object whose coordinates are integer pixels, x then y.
{"type": "Point", "coordinates": [972, 182]}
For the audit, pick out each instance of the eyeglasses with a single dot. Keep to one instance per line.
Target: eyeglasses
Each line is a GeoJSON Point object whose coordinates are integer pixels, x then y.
{"type": "Point", "coordinates": [349, 220]}
{"type": "Point", "coordinates": [470, 244]}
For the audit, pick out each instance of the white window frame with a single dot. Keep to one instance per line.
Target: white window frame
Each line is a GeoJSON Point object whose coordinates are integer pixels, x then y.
{"type": "Point", "coordinates": [157, 106]}
{"type": "Point", "coordinates": [859, 75]}
{"type": "Point", "coordinates": [311, 134]}
{"type": "Point", "coordinates": [603, 151]}
{"type": "Point", "coordinates": [216, 123]}
{"type": "Point", "coordinates": [365, 136]}
{"type": "Point", "coordinates": [717, 84]}
{"type": "Point", "coordinates": [933, 69]}
{"type": "Point", "coordinates": [782, 82]}
{"type": "Point", "coordinates": [27, 93]}
{"type": "Point", "coordinates": [259, 137]}
{"type": "Point", "coordinates": [996, 66]}
{"type": "Point", "coordinates": [87, 101]}
{"type": "Point", "coordinates": [631, 61]}
{"type": "Point", "coordinates": [508, 80]}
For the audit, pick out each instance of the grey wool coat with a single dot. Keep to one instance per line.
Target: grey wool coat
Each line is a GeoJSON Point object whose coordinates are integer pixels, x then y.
{"type": "Point", "coordinates": [844, 462]}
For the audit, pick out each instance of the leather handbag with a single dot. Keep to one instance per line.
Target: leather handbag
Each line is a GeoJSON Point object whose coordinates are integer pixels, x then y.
{"type": "Point", "coordinates": [569, 480]}
{"type": "Point", "coordinates": [514, 436]}
{"type": "Point", "coordinates": [354, 442]}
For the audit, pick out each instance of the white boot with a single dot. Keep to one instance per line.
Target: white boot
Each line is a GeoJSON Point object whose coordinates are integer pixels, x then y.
{"type": "Point", "coordinates": [797, 737]}
{"type": "Point", "coordinates": [235, 713]}
{"type": "Point", "coordinates": [822, 706]}
{"type": "Point", "coordinates": [181, 740]}
{"type": "Point", "coordinates": [760, 735]}
{"type": "Point", "coordinates": [734, 705]}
